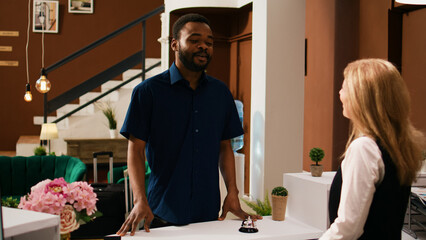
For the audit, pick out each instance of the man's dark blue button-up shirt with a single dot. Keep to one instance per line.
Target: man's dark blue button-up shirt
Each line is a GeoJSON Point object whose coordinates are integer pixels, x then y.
{"type": "Point", "coordinates": [183, 129]}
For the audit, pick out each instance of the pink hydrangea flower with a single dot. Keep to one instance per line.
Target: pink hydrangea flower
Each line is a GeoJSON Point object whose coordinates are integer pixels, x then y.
{"type": "Point", "coordinates": [55, 187]}
{"type": "Point", "coordinates": [81, 196]}
{"type": "Point", "coordinates": [61, 198]}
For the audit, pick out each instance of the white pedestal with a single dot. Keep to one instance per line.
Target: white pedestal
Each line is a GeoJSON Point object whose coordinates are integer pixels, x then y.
{"type": "Point", "coordinates": [29, 225]}
{"type": "Point", "coordinates": [308, 198]}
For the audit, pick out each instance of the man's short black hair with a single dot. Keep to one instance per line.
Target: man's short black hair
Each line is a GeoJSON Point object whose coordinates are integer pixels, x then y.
{"type": "Point", "coordinates": [190, 17]}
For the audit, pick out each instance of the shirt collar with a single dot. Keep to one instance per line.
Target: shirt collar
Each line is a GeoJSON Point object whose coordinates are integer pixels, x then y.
{"type": "Point", "coordinates": [175, 75]}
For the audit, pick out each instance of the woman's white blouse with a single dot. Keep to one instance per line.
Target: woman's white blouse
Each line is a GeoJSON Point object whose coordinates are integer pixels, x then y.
{"type": "Point", "coordinates": [362, 170]}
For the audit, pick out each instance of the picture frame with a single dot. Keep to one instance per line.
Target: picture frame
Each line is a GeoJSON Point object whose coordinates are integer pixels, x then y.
{"type": "Point", "coordinates": [45, 16]}
{"type": "Point", "coordinates": [80, 6]}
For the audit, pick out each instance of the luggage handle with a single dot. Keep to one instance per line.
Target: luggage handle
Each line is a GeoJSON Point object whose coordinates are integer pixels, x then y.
{"type": "Point", "coordinates": [95, 165]}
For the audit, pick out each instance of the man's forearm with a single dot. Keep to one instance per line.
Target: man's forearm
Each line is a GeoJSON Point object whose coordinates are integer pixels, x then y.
{"type": "Point", "coordinates": [136, 168]}
{"type": "Point", "coordinates": [227, 167]}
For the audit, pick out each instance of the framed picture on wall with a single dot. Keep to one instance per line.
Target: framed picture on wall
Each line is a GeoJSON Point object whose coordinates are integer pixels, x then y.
{"type": "Point", "coordinates": [80, 6]}
{"type": "Point", "coordinates": [45, 16]}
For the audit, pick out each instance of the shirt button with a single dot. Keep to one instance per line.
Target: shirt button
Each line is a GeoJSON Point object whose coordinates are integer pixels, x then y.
{"type": "Point", "coordinates": [196, 130]}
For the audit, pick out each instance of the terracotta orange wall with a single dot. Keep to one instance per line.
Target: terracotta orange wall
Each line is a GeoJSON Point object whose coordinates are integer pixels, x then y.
{"type": "Point", "coordinates": [339, 32]}
{"type": "Point", "coordinates": [318, 123]}
{"type": "Point", "coordinates": [75, 31]}
{"type": "Point", "coordinates": [373, 29]}
{"type": "Point", "coordinates": [414, 64]}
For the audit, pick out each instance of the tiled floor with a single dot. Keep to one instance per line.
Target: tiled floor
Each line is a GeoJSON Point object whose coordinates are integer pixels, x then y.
{"type": "Point", "coordinates": [420, 236]}
{"type": "Point", "coordinates": [8, 153]}
{"type": "Point", "coordinates": [417, 230]}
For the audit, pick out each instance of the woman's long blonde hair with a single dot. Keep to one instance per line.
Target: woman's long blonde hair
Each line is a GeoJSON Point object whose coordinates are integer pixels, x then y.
{"type": "Point", "coordinates": [379, 105]}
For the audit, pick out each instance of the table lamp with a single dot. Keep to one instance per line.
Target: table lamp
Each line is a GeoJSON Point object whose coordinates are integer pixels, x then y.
{"type": "Point", "coordinates": [48, 131]}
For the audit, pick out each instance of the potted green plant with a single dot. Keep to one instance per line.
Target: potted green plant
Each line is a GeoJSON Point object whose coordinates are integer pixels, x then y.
{"type": "Point", "coordinates": [261, 208]}
{"type": "Point", "coordinates": [10, 202]}
{"type": "Point", "coordinates": [279, 203]}
{"type": "Point", "coordinates": [109, 113]}
{"type": "Point", "coordinates": [40, 151]}
{"type": "Point", "coordinates": [316, 154]}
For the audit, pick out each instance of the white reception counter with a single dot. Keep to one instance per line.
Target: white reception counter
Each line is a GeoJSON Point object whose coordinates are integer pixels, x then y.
{"type": "Point", "coordinates": [29, 225]}
{"type": "Point", "coordinates": [228, 230]}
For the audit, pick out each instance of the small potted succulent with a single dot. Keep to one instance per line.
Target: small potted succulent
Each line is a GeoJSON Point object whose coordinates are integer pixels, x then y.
{"type": "Point", "coordinates": [316, 154]}
{"type": "Point", "coordinates": [279, 203]}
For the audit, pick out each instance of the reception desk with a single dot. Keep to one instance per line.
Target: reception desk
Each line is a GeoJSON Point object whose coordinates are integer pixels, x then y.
{"type": "Point", "coordinates": [289, 229]}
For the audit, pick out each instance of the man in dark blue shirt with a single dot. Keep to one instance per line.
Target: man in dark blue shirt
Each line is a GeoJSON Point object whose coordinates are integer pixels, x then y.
{"type": "Point", "coordinates": [182, 121]}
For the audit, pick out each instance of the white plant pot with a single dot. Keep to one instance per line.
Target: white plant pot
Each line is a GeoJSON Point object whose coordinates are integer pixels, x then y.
{"type": "Point", "coordinates": [113, 133]}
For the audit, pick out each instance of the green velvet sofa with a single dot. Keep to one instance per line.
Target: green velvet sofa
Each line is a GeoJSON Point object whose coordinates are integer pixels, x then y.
{"type": "Point", "coordinates": [118, 174]}
{"type": "Point", "coordinates": [18, 174]}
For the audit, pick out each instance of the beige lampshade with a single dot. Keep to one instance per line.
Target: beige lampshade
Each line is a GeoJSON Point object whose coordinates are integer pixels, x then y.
{"type": "Point", "coordinates": [48, 131]}
{"type": "Point", "coordinates": [414, 2]}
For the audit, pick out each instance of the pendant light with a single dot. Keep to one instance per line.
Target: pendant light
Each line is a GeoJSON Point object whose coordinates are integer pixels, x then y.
{"type": "Point", "coordinates": [28, 97]}
{"type": "Point", "coordinates": [43, 84]}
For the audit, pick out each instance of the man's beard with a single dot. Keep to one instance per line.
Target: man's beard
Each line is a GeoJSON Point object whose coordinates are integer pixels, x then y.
{"type": "Point", "coordinates": [188, 61]}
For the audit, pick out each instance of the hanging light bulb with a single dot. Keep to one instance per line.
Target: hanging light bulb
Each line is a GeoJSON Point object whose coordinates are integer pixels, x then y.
{"type": "Point", "coordinates": [28, 97]}
{"type": "Point", "coordinates": [43, 84]}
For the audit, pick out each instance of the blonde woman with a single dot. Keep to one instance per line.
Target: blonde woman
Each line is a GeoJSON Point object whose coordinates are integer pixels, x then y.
{"type": "Point", "coordinates": [370, 191]}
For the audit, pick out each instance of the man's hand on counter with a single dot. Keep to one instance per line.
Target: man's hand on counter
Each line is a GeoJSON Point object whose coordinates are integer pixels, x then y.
{"type": "Point", "coordinates": [232, 204]}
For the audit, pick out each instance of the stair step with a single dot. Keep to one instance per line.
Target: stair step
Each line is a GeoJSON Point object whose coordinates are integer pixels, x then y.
{"type": "Point", "coordinates": [151, 61]}
{"type": "Point", "coordinates": [113, 83]}
{"type": "Point", "coordinates": [29, 139]}
{"type": "Point", "coordinates": [70, 107]}
{"type": "Point", "coordinates": [38, 120]}
{"type": "Point", "coordinates": [26, 144]}
{"type": "Point", "coordinates": [112, 97]}
{"type": "Point", "coordinates": [90, 122]}
{"type": "Point", "coordinates": [132, 72]}
{"type": "Point", "coordinates": [8, 153]}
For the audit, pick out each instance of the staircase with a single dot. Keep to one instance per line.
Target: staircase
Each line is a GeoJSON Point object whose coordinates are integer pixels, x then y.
{"type": "Point", "coordinates": [85, 120]}
{"type": "Point", "coordinates": [89, 123]}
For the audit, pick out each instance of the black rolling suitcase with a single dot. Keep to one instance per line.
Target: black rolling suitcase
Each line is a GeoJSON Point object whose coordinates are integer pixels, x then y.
{"type": "Point", "coordinates": [111, 204]}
